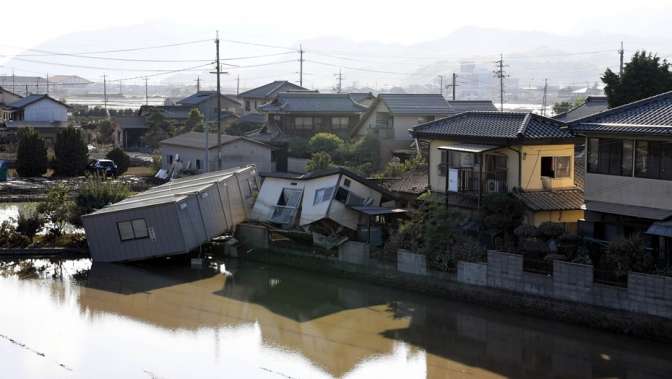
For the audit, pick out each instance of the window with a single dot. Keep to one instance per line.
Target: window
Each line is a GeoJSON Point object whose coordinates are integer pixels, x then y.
{"type": "Point", "coordinates": [610, 156]}
{"type": "Point", "coordinates": [347, 182]}
{"type": "Point", "coordinates": [303, 123]}
{"type": "Point", "coordinates": [288, 204]}
{"type": "Point", "coordinates": [323, 194]}
{"type": "Point", "coordinates": [555, 167]}
{"type": "Point", "coordinates": [247, 105]}
{"type": "Point", "coordinates": [134, 229]}
{"type": "Point", "coordinates": [653, 159]}
{"type": "Point", "coordinates": [340, 122]}
{"type": "Point", "coordinates": [198, 164]}
{"type": "Point", "coordinates": [170, 159]}
{"type": "Point", "coordinates": [342, 195]}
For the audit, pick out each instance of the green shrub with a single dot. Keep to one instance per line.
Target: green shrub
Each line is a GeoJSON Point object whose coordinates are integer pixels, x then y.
{"type": "Point", "coordinates": [70, 152]}
{"type": "Point", "coordinates": [9, 238]}
{"type": "Point", "coordinates": [31, 155]}
{"type": "Point", "coordinates": [57, 208]}
{"type": "Point", "coordinates": [95, 194]}
{"type": "Point", "coordinates": [324, 142]}
{"type": "Point", "coordinates": [120, 158]}
{"type": "Point", "coordinates": [298, 147]}
{"type": "Point", "coordinates": [551, 230]}
{"type": "Point", "coordinates": [105, 132]}
{"type": "Point", "coordinates": [501, 212]}
{"type": "Point", "coordinates": [29, 222]}
{"type": "Point", "coordinates": [156, 162]}
{"type": "Point", "coordinates": [319, 161]}
{"type": "Point", "coordinates": [628, 254]}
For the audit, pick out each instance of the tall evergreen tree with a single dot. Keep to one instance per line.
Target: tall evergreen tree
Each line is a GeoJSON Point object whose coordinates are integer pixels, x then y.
{"type": "Point", "coordinates": [195, 121]}
{"type": "Point", "coordinates": [70, 152]}
{"type": "Point", "coordinates": [644, 76]}
{"type": "Point", "coordinates": [31, 156]}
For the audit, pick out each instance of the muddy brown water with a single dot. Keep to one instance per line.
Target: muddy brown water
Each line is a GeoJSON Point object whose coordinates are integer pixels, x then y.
{"type": "Point", "coordinates": [242, 320]}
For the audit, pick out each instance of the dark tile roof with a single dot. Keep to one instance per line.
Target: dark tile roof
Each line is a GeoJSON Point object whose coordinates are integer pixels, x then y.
{"type": "Point", "coordinates": [651, 116]}
{"type": "Point", "coordinates": [30, 99]}
{"type": "Point", "coordinates": [413, 182]}
{"type": "Point", "coordinates": [271, 89]}
{"type": "Point", "coordinates": [312, 102]}
{"type": "Point", "coordinates": [197, 140]}
{"type": "Point", "coordinates": [415, 104]}
{"type": "Point", "coordinates": [495, 125]}
{"type": "Point", "coordinates": [202, 96]}
{"type": "Point", "coordinates": [328, 172]}
{"type": "Point", "coordinates": [461, 106]}
{"type": "Point", "coordinates": [593, 105]}
{"type": "Point", "coordinates": [579, 172]}
{"type": "Point", "coordinates": [564, 200]}
{"type": "Point", "coordinates": [253, 118]}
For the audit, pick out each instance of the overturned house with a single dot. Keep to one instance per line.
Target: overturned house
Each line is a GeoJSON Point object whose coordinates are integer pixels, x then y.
{"type": "Point", "coordinates": [332, 203]}
{"type": "Point", "coordinates": [173, 218]}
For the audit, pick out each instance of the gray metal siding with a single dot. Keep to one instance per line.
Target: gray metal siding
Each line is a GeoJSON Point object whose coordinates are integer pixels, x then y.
{"type": "Point", "coordinates": [212, 212]}
{"type": "Point", "coordinates": [106, 246]}
{"type": "Point", "coordinates": [191, 222]}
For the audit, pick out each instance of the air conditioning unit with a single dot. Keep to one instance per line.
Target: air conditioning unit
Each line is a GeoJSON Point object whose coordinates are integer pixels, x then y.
{"type": "Point", "coordinates": [493, 185]}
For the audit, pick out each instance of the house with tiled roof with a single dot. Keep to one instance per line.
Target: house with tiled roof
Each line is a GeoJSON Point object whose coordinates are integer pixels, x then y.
{"type": "Point", "coordinates": [391, 115]}
{"type": "Point", "coordinates": [628, 181]}
{"type": "Point", "coordinates": [206, 102]}
{"type": "Point", "coordinates": [41, 112]}
{"type": "Point", "coordinates": [303, 114]}
{"type": "Point", "coordinates": [255, 97]}
{"type": "Point", "coordinates": [476, 153]}
{"type": "Point", "coordinates": [592, 105]}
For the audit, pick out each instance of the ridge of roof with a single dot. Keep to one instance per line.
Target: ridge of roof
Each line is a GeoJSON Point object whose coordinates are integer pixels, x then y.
{"type": "Point", "coordinates": [523, 125]}
{"type": "Point", "coordinates": [623, 107]}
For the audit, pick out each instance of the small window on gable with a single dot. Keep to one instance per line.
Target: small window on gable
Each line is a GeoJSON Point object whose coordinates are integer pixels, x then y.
{"type": "Point", "coordinates": [342, 195]}
{"type": "Point", "coordinates": [347, 182]}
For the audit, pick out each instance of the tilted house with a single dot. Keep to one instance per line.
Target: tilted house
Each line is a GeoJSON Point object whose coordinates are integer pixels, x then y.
{"type": "Point", "coordinates": [173, 218]}
{"type": "Point", "coordinates": [336, 195]}
{"type": "Point", "coordinates": [628, 182]}
{"type": "Point", "coordinates": [256, 97]}
{"type": "Point", "coordinates": [303, 114]}
{"type": "Point", "coordinates": [189, 149]}
{"type": "Point", "coordinates": [475, 153]}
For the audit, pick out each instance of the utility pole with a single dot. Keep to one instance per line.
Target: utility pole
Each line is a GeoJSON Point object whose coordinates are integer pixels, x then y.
{"type": "Point", "coordinates": [620, 53]}
{"type": "Point", "coordinates": [26, 89]}
{"type": "Point", "coordinates": [146, 93]}
{"type": "Point", "coordinates": [454, 84]}
{"type": "Point", "coordinates": [543, 102]}
{"type": "Point", "coordinates": [339, 86]}
{"type": "Point", "coordinates": [198, 84]}
{"type": "Point", "coordinates": [219, 73]}
{"type": "Point", "coordinates": [237, 85]}
{"type": "Point", "coordinates": [441, 84]}
{"type": "Point", "coordinates": [301, 65]}
{"type": "Point", "coordinates": [120, 89]}
{"type": "Point", "coordinates": [105, 91]}
{"type": "Point", "coordinates": [501, 74]}
{"type": "Point", "coordinates": [47, 83]}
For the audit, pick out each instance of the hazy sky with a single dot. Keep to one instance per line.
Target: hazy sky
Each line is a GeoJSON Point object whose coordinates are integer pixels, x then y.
{"type": "Point", "coordinates": [387, 21]}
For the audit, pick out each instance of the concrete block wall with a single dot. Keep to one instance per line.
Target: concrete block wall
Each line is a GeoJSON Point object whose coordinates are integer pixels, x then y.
{"type": "Point", "coordinates": [472, 273]}
{"type": "Point", "coordinates": [411, 263]}
{"type": "Point", "coordinates": [572, 281]}
{"type": "Point", "coordinates": [253, 236]}
{"type": "Point", "coordinates": [505, 270]}
{"type": "Point", "coordinates": [354, 252]}
{"type": "Point", "coordinates": [646, 294]}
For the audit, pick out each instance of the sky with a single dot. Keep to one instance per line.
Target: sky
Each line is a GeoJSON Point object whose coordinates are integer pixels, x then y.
{"type": "Point", "coordinates": [384, 21]}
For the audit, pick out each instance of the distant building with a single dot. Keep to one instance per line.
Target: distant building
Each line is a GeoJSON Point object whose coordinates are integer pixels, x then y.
{"type": "Point", "coordinates": [304, 114]}
{"type": "Point", "coordinates": [628, 182]}
{"type": "Point", "coordinates": [255, 97]}
{"type": "Point", "coordinates": [204, 101]}
{"type": "Point", "coordinates": [129, 131]}
{"type": "Point", "coordinates": [592, 105]}
{"type": "Point", "coordinates": [531, 156]}
{"type": "Point", "coordinates": [41, 112]}
{"type": "Point", "coordinates": [188, 151]}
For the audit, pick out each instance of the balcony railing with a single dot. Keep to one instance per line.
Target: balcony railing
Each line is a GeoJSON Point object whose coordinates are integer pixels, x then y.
{"type": "Point", "coordinates": [468, 179]}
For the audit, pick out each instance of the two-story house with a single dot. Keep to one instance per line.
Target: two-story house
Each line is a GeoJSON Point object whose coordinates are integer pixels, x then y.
{"type": "Point", "coordinates": [390, 116]}
{"type": "Point", "coordinates": [476, 153]}
{"type": "Point", "coordinates": [256, 97]}
{"type": "Point", "coordinates": [41, 112]}
{"type": "Point", "coordinates": [302, 114]}
{"type": "Point", "coordinates": [628, 183]}
{"type": "Point", "coordinates": [206, 102]}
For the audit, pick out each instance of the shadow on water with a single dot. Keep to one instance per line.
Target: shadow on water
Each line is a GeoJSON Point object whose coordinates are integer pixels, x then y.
{"type": "Point", "coordinates": [338, 324]}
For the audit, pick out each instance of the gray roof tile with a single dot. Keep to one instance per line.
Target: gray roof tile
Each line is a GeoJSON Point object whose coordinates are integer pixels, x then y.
{"type": "Point", "coordinates": [312, 102]}
{"type": "Point", "coordinates": [461, 106]}
{"type": "Point", "coordinates": [650, 116]}
{"type": "Point", "coordinates": [415, 104]}
{"type": "Point", "coordinates": [271, 89]}
{"type": "Point", "coordinates": [593, 105]}
{"type": "Point", "coordinates": [202, 96]}
{"type": "Point", "coordinates": [25, 101]}
{"type": "Point", "coordinates": [197, 140]}
{"type": "Point", "coordinates": [552, 200]}
{"type": "Point", "coordinates": [495, 125]}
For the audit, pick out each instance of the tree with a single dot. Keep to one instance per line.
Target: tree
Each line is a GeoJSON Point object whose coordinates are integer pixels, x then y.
{"type": "Point", "coordinates": [324, 142]}
{"type": "Point", "coordinates": [57, 208]}
{"type": "Point", "coordinates": [120, 158]}
{"type": "Point", "coordinates": [644, 76]}
{"type": "Point", "coordinates": [94, 194]}
{"type": "Point", "coordinates": [154, 135]}
{"type": "Point", "coordinates": [566, 106]}
{"type": "Point", "coordinates": [70, 152]}
{"type": "Point", "coordinates": [319, 161]}
{"type": "Point", "coordinates": [31, 156]}
{"type": "Point", "coordinates": [195, 120]}
{"type": "Point", "coordinates": [105, 132]}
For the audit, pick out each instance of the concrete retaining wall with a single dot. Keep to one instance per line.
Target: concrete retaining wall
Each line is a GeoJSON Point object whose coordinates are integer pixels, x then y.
{"type": "Point", "coordinates": [411, 263]}
{"type": "Point", "coordinates": [647, 294]}
{"type": "Point", "coordinates": [253, 236]}
{"type": "Point", "coordinates": [354, 252]}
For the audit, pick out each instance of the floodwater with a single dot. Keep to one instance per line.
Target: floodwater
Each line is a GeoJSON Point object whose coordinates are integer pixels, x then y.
{"type": "Point", "coordinates": [243, 320]}
{"type": "Point", "coordinates": [10, 212]}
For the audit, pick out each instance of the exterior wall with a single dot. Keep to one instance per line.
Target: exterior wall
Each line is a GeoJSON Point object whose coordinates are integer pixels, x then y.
{"type": "Point", "coordinates": [234, 154]}
{"type": "Point", "coordinates": [191, 223]}
{"type": "Point", "coordinates": [297, 165]}
{"type": "Point", "coordinates": [254, 104]}
{"type": "Point", "coordinates": [567, 217]}
{"type": "Point", "coordinates": [45, 110]}
{"type": "Point", "coordinates": [531, 165]}
{"type": "Point", "coordinates": [106, 246]}
{"type": "Point", "coordinates": [437, 183]}
{"type": "Point", "coordinates": [346, 216]}
{"type": "Point", "coordinates": [370, 122]}
{"type": "Point", "coordinates": [401, 125]}
{"type": "Point", "coordinates": [286, 123]}
{"type": "Point", "coordinates": [625, 190]}
{"type": "Point", "coordinates": [311, 212]}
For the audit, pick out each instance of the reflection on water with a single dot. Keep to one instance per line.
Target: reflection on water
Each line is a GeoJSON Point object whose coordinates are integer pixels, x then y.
{"type": "Point", "coordinates": [71, 319]}
{"type": "Point", "coordinates": [10, 212]}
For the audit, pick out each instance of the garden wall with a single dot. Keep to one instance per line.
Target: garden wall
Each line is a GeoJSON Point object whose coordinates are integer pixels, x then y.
{"type": "Point", "coordinates": [647, 294]}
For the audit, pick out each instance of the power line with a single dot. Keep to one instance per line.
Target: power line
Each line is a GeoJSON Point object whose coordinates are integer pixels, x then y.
{"type": "Point", "coordinates": [501, 74]}
{"type": "Point", "coordinates": [361, 69]}
{"type": "Point", "coordinates": [132, 49]}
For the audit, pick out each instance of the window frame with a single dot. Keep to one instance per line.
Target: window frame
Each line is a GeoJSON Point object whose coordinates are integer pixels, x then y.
{"type": "Point", "coordinates": [303, 125]}
{"type": "Point", "coordinates": [135, 236]}
{"type": "Point", "coordinates": [337, 122]}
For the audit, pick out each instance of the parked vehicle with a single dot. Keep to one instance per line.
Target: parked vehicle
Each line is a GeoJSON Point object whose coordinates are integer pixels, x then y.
{"type": "Point", "coordinates": [102, 167]}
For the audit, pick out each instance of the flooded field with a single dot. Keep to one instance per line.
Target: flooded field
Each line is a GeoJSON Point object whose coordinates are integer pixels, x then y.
{"type": "Point", "coordinates": [242, 320]}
